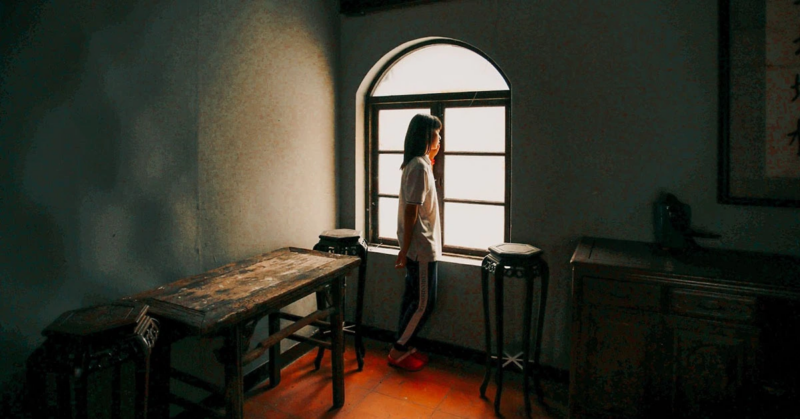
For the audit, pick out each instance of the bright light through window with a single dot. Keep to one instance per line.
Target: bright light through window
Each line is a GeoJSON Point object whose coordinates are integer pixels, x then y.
{"type": "Point", "coordinates": [392, 127]}
{"type": "Point", "coordinates": [471, 225]}
{"type": "Point", "coordinates": [440, 69]}
{"type": "Point", "coordinates": [387, 222]}
{"type": "Point", "coordinates": [389, 173]}
{"type": "Point", "coordinates": [477, 178]}
{"type": "Point", "coordinates": [478, 129]}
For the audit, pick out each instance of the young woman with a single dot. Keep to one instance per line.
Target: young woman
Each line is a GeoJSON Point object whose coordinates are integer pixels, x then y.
{"type": "Point", "coordinates": [420, 235]}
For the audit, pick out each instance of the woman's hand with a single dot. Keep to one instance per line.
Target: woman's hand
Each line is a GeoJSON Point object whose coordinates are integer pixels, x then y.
{"type": "Point", "coordinates": [401, 260]}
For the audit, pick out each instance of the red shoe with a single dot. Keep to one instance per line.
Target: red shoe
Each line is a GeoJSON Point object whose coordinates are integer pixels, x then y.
{"type": "Point", "coordinates": [419, 355]}
{"type": "Point", "coordinates": [407, 362]}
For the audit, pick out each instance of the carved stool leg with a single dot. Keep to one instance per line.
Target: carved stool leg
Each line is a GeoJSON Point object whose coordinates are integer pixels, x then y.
{"type": "Point", "coordinates": [537, 349]}
{"type": "Point", "coordinates": [487, 329]}
{"type": "Point", "coordinates": [498, 302]}
{"type": "Point", "coordinates": [527, 340]}
{"type": "Point", "coordinates": [337, 340]}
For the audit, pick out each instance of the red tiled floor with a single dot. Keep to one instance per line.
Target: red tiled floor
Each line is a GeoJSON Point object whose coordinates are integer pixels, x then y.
{"type": "Point", "coordinates": [416, 387]}
{"type": "Point", "coordinates": [445, 389]}
{"type": "Point", "coordinates": [380, 406]}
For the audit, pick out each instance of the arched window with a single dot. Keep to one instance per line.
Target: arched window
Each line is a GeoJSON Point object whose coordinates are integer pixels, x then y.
{"type": "Point", "coordinates": [461, 86]}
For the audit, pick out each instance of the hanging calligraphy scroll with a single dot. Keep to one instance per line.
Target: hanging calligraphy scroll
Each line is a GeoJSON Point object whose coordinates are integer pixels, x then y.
{"type": "Point", "coordinates": [759, 62]}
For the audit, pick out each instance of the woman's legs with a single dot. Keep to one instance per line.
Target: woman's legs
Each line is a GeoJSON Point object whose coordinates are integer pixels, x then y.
{"type": "Point", "coordinates": [418, 300]}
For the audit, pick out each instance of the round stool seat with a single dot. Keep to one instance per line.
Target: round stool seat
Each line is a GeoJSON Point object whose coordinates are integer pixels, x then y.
{"type": "Point", "coordinates": [514, 251]}
{"type": "Point", "coordinates": [341, 234]}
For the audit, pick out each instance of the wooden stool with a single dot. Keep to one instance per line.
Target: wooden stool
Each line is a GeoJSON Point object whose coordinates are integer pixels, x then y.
{"type": "Point", "coordinates": [346, 242]}
{"type": "Point", "coordinates": [82, 342]}
{"type": "Point", "coordinates": [522, 261]}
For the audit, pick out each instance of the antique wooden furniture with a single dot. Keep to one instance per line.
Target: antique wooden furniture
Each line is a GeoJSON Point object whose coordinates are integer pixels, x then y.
{"type": "Point", "coordinates": [696, 333]}
{"type": "Point", "coordinates": [345, 242]}
{"type": "Point", "coordinates": [524, 262]}
{"type": "Point", "coordinates": [81, 343]}
{"type": "Point", "coordinates": [228, 302]}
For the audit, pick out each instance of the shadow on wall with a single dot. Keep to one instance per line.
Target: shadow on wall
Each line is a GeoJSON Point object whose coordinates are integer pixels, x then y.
{"type": "Point", "coordinates": [41, 70]}
{"type": "Point", "coordinates": [73, 221]}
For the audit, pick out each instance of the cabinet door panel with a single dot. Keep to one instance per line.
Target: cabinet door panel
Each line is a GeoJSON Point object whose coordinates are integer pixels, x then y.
{"type": "Point", "coordinates": [712, 367]}
{"type": "Point", "coordinates": [616, 365]}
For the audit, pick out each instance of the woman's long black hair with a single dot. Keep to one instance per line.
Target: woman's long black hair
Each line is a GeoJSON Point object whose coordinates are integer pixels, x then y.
{"type": "Point", "coordinates": [419, 136]}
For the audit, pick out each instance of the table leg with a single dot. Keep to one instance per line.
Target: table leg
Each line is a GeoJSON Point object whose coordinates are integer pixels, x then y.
{"type": "Point", "coordinates": [274, 351]}
{"type": "Point", "coordinates": [362, 274]}
{"type": "Point", "coordinates": [498, 302]}
{"type": "Point", "coordinates": [234, 385]}
{"type": "Point", "coordinates": [537, 349]}
{"type": "Point", "coordinates": [322, 304]}
{"type": "Point", "coordinates": [526, 345]}
{"type": "Point", "coordinates": [337, 341]}
{"type": "Point", "coordinates": [487, 329]}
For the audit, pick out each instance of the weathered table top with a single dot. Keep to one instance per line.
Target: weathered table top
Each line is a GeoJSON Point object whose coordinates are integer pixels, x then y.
{"type": "Point", "coordinates": [243, 290]}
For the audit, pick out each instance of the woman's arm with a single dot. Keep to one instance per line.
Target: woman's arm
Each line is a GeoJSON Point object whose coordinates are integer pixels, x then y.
{"type": "Point", "coordinates": [409, 220]}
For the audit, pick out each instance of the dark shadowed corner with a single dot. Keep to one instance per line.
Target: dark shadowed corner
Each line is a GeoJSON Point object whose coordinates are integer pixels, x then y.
{"type": "Point", "coordinates": [42, 68]}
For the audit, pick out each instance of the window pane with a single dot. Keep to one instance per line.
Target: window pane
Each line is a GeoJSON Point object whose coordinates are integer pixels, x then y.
{"type": "Point", "coordinates": [389, 173]}
{"type": "Point", "coordinates": [392, 127]}
{"type": "Point", "coordinates": [480, 129]}
{"type": "Point", "coordinates": [475, 177]}
{"type": "Point", "coordinates": [440, 69]}
{"type": "Point", "coordinates": [473, 225]}
{"type": "Point", "coordinates": [387, 221]}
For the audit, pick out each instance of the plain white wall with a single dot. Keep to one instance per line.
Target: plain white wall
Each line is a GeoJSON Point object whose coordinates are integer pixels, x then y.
{"type": "Point", "coordinates": [612, 102]}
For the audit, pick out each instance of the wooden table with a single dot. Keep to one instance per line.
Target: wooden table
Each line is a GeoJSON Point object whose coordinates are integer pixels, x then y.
{"type": "Point", "coordinates": [228, 302]}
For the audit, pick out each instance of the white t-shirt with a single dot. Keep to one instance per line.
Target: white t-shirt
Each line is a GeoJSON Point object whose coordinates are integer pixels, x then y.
{"type": "Point", "coordinates": [418, 188]}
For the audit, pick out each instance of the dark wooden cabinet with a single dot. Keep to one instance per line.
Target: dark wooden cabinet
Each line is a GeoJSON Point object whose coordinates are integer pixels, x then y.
{"type": "Point", "coordinates": [627, 375]}
{"type": "Point", "coordinates": [692, 334]}
{"type": "Point", "coordinates": [615, 316]}
{"type": "Point", "coordinates": [713, 365]}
